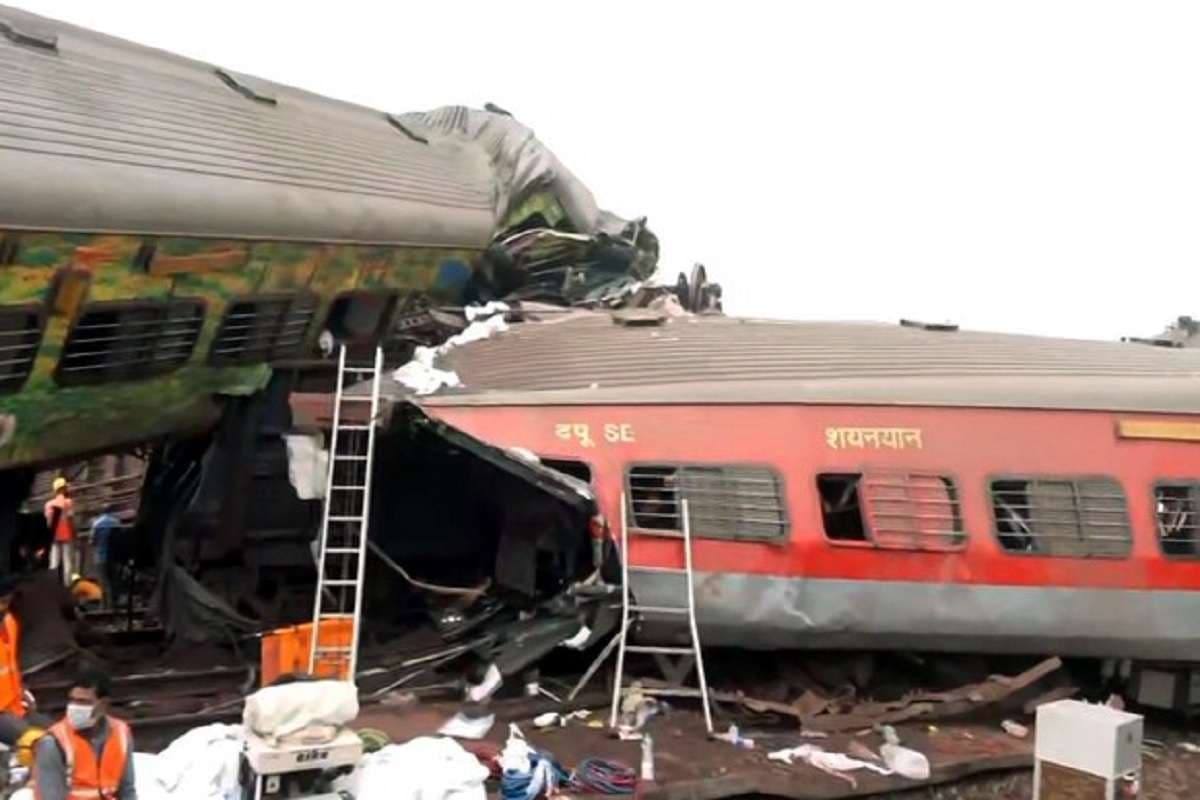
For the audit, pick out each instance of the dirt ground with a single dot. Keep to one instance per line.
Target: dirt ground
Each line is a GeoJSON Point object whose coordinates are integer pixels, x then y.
{"type": "Point", "coordinates": [1168, 771]}
{"type": "Point", "coordinates": [690, 765]}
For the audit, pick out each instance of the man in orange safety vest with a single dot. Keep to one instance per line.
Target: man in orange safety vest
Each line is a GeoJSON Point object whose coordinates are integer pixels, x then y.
{"type": "Point", "coordinates": [88, 755]}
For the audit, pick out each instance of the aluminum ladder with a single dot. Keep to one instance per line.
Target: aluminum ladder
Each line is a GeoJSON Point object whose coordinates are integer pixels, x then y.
{"type": "Point", "coordinates": [689, 655]}
{"type": "Point", "coordinates": [342, 553]}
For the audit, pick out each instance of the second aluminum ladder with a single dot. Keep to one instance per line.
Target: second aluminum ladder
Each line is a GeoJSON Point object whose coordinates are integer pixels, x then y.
{"type": "Point", "coordinates": [342, 548]}
{"type": "Point", "coordinates": [630, 611]}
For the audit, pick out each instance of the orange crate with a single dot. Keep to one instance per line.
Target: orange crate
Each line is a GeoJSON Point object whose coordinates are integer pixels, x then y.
{"type": "Point", "coordinates": [286, 650]}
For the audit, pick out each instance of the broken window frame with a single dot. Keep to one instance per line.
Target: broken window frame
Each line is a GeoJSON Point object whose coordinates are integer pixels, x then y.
{"type": "Point", "coordinates": [263, 349]}
{"type": "Point", "coordinates": [701, 524]}
{"type": "Point", "coordinates": [16, 369]}
{"type": "Point", "coordinates": [1080, 520]}
{"type": "Point", "coordinates": [1192, 488]}
{"type": "Point", "coordinates": [390, 299]}
{"type": "Point", "coordinates": [161, 352]}
{"type": "Point", "coordinates": [875, 535]}
{"type": "Point", "coordinates": [554, 463]}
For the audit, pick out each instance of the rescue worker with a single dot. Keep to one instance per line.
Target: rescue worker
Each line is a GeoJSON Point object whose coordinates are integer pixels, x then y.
{"type": "Point", "coordinates": [103, 528]}
{"type": "Point", "coordinates": [20, 726]}
{"type": "Point", "coordinates": [88, 755]}
{"type": "Point", "coordinates": [60, 518]}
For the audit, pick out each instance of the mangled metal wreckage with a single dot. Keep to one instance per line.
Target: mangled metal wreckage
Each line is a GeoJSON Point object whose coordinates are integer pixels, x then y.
{"type": "Point", "coordinates": [181, 244]}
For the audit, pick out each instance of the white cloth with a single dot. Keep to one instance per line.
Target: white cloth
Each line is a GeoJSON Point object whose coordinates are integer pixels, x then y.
{"type": "Point", "coordinates": [422, 377]}
{"type": "Point", "coordinates": [308, 465]}
{"type": "Point", "coordinates": [279, 711]}
{"type": "Point", "coordinates": [200, 765]}
{"type": "Point", "coordinates": [426, 768]}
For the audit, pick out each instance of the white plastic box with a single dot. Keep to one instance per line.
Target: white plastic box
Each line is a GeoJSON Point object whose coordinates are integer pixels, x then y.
{"type": "Point", "coordinates": [1084, 738]}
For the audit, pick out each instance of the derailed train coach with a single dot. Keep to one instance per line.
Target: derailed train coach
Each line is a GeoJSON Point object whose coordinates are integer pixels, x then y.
{"type": "Point", "coordinates": [866, 486]}
{"type": "Point", "coordinates": [181, 244]}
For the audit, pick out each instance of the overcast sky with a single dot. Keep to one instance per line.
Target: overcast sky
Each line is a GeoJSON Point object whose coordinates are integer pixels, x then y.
{"type": "Point", "coordinates": [1019, 166]}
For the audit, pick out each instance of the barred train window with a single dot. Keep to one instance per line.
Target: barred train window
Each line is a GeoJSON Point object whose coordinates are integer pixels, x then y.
{"type": "Point", "coordinates": [892, 510]}
{"type": "Point", "coordinates": [256, 330]}
{"type": "Point", "coordinates": [20, 335]}
{"type": "Point", "coordinates": [128, 341]}
{"type": "Point", "coordinates": [1175, 507]}
{"type": "Point", "coordinates": [1061, 517]}
{"type": "Point", "coordinates": [725, 502]}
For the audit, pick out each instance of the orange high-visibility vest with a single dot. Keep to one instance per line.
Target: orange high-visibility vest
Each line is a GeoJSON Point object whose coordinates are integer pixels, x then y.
{"type": "Point", "coordinates": [12, 691]}
{"type": "Point", "coordinates": [92, 778]}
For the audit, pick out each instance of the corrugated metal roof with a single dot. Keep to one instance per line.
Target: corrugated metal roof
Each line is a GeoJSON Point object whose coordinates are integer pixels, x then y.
{"type": "Point", "coordinates": [589, 359]}
{"type": "Point", "coordinates": [100, 134]}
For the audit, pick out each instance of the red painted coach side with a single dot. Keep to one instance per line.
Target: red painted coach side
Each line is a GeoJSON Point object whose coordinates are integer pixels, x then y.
{"type": "Point", "coordinates": [972, 446]}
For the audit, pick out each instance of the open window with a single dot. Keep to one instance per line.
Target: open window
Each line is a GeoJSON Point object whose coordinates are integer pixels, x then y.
{"type": "Point", "coordinates": [20, 335]}
{"type": "Point", "coordinates": [569, 466]}
{"type": "Point", "coordinates": [261, 329]}
{"type": "Point", "coordinates": [892, 510]}
{"type": "Point", "coordinates": [1084, 517]}
{"type": "Point", "coordinates": [1175, 508]}
{"type": "Point", "coordinates": [360, 316]}
{"type": "Point", "coordinates": [113, 342]}
{"type": "Point", "coordinates": [744, 503]}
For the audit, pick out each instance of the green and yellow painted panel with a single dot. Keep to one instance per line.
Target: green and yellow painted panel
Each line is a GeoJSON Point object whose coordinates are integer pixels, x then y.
{"type": "Point", "coordinates": [63, 273]}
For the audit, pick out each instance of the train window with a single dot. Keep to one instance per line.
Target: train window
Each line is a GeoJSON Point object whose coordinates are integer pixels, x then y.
{"type": "Point", "coordinates": [725, 502]}
{"type": "Point", "coordinates": [360, 316]}
{"type": "Point", "coordinates": [1175, 508]}
{"type": "Point", "coordinates": [128, 341]}
{"type": "Point", "coordinates": [20, 335]}
{"type": "Point", "coordinates": [893, 511]}
{"type": "Point", "coordinates": [1065, 517]}
{"type": "Point", "coordinates": [576, 469]}
{"type": "Point", "coordinates": [262, 329]}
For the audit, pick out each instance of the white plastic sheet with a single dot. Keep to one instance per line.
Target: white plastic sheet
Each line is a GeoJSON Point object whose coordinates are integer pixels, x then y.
{"type": "Point", "coordinates": [423, 378]}
{"type": "Point", "coordinates": [426, 768]}
{"type": "Point", "coordinates": [279, 711]}
{"type": "Point", "coordinates": [200, 765]}
{"type": "Point", "coordinates": [308, 465]}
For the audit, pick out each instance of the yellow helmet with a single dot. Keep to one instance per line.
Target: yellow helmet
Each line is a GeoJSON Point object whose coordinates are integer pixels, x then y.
{"type": "Point", "coordinates": [60, 483]}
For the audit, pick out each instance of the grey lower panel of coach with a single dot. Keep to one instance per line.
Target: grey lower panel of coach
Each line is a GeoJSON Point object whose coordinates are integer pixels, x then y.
{"type": "Point", "coordinates": [767, 612]}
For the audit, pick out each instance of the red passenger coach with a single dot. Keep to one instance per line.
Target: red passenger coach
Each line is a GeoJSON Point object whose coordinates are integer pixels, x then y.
{"type": "Point", "coordinates": [872, 486]}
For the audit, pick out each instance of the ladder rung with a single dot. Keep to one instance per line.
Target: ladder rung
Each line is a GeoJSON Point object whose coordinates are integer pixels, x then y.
{"type": "Point", "coordinates": [666, 651]}
{"type": "Point", "coordinates": [672, 691]}
{"type": "Point", "coordinates": [356, 518]}
{"type": "Point", "coordinates": [668, 570]}
{"type": "Point", "coordinates": [321, 650]}
{"type": "Point", "coordinates": [347, 488]}
{"type": "Point", "coordinates": [355, 398]}
{"type": "Point", "coordinates": [659, 609]}
{"type": "Point", "coordinates": [354, 428]}
{"type": "Point", "coordinates": [341, 551]}
{"type": "Point", "coordinates": [340, 582]}
{"type": "Point", "coordinates": [334, 615]}
{"type": "Point", "coordinates": [340, 457]}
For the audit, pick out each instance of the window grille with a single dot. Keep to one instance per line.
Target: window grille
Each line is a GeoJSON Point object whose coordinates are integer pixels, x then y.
{"type": "Point", "coordinates": [257, 330]}
{"type": "Point", "coordinates": [1061, 517]}
{"type": "Point", "coordinates": [120, 342]}
{"type": "Point", "coordinates": [726, 502]}
{"type": "Point", "coordinates": [893, 511]}
{"type": "Point", "coordinates": [20, 335]}
{"type": "Point", "coordinates": [1175, 508]}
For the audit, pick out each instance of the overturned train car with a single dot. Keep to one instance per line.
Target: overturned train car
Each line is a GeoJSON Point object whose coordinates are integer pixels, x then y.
{"type": "Point", "coordinates": [178, 240]}
{"type": "Point", "coordinates": [869, 486]}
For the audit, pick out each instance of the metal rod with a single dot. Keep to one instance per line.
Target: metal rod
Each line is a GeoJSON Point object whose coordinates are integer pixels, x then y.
{"type": "Point", "coordinates": [624, 633]}
{"type": "Point", "coordinates": [691, 592]}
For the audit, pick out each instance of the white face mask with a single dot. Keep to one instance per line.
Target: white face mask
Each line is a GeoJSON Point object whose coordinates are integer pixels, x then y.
{"type": "Point", "coordinates": [80, 716]}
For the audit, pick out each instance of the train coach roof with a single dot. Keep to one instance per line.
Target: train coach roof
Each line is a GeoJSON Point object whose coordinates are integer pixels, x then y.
{"type": "Point", "coordinates": [588, 358]}
{"type": "Point", "coordinates": [100, 134]}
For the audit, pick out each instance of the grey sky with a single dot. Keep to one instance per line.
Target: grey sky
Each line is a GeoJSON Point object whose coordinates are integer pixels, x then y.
{"type": "Point", "coordinates": [1022, 166]}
